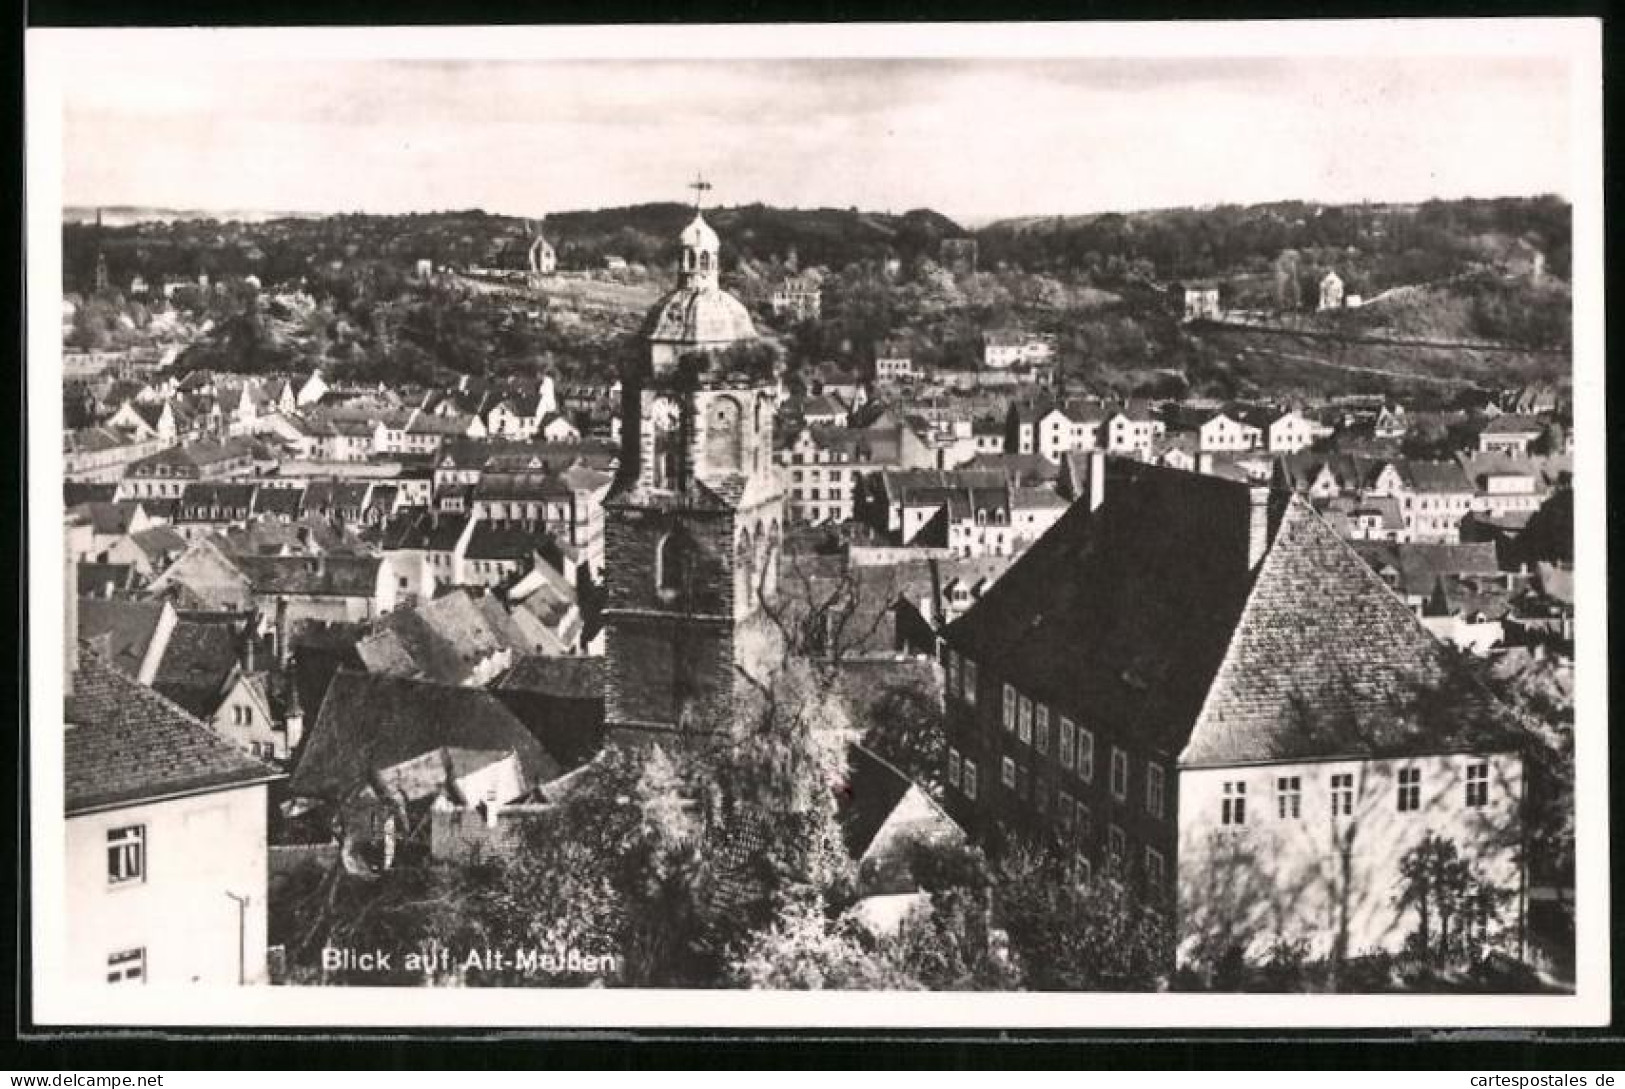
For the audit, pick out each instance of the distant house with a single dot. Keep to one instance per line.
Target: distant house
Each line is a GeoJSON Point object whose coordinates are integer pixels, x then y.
{"type": "Point", "coordinates": [1202, 302]}
{"type": "Point", "coordinates": [1223, 432]}
{"type": "Point", "coordinates": [1331, 292]}
{"type": "Point", "coordinates": [799, 297]}
{"type": "Point", "coordinates": [1510, 434]}
{"type": "Point", "coordinates": [894, 363]}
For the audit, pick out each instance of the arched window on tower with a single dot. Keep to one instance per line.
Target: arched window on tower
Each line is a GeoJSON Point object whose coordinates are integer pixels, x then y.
{"type": "Point", "coordinates": [770, 561]}
{"type": "Point", "coordinates": [745, 573]}
{"type": "Point", "coordinates": [673, 560]}
{"type": "Point", "coordinates": [722, 434]}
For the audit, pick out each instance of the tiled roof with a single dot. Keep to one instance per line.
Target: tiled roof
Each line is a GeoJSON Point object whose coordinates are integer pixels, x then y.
{"type": "Point", "coordinates": [1420, 565]}
{"type": "Point", "coordinates": [440, 640]}
{"type": "Point", "coordinates": [322, 576]}
{"type": "Point", "coordinates": [122, 630]}
{"type": "Point", "coordinates": [1326, 661]}
{"type": "Point", "coordinates": [97, 578]}
{"type": "Point", "coordinates": [369, 722]}
{"type": "Point", "coordinates": [74, 493]}
{"type": "Point", "coordinates": [199, 658]}
{"type": "Point", "coordinates": [576, 677]}
{"type": "Point", "coordinates": [1511, 424]}
{"type": "Point", "coordinates": [126, 744]}
{"type": "Point", "coordinates": [284, 502]}
{"type": "Point", "coordinates": [494, 542]}
{"type": "Point", "coordinates": [1436, 476]}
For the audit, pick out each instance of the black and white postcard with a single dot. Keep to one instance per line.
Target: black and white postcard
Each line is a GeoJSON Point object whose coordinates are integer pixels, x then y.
{"type": "Point", "coordinates": [1019, 525]}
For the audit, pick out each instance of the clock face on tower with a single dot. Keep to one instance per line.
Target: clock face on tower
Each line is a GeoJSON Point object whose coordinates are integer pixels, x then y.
{"type": "Point", "coordinates": [664, 413]}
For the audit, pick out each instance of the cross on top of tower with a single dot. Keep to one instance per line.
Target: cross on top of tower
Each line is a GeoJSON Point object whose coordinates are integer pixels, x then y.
{"type": "Point", "coordinates": [700, 187]}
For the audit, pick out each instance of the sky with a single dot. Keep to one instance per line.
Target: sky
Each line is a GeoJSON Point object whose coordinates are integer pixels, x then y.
{"type": "Point", "coordinates": [972, 138]}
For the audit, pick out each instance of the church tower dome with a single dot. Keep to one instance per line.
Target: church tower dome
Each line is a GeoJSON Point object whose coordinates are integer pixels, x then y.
{"type": "Point", "coordinates": [698, 316]}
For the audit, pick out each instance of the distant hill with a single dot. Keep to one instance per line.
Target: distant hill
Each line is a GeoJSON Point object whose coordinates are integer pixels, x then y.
{"type": "Point", "coordinates": [126, 215]}
{"type": "Point", "coordinates": [1373, 246]}
{"type": "Point", "coordinates": [173, 243]}
{"type": "Point", "coordinates": [645, 233]}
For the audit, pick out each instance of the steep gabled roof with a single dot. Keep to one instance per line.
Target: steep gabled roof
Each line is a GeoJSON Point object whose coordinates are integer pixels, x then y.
{"type": "Point", "coordinates": [127, 744]}
{"type": "Point", "coordinates": [872, 791]}
{"type": "Point", "coordinates": [1325, 661]}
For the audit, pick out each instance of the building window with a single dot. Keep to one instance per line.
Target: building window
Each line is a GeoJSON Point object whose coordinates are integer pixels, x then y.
{"type": "Point", "coordinates": [1086, 870]}
{"type": "Point", "coordinates": [1478, 785]}
{"type": "Point", "coordinates": [1085, 821]}
{"type": "Point", "coordinates": [1343, 795]}
{"type": "Point", "coordinates": [1410, 789]}
{"type": "Point", "coordinates": [1156, 875]}
{"type": "Point", "coordinates": [1063, 810]}
{"type": "Point", "coordinates": [1116, 850]}
{"type": "Point", "coordinates": [967, 679]}
{"type": "Point", "coordinates": [1009, 708]}
{"type": "Point", "coordinates": [1233, 809]}
{"type": "Point", "coordinates": [953, 766]}
{"type": "Point", "coordinates": [968, 783]}
{"type": "Point", "coordinates": [1289, 797]}
{"type": "Point", "coordinates": [1064, 744]}
{"type": "Point", "coordinates": [242, 716]}
{"type": "Point", "coordinates": [1024, 724]}
{"type": "Point", "coordinates": [1154, 791]}
{"type": "Point", "coordinates": [1007, 772]}
{"type": "Point", "coordinates": [127, 854]}
{"type": "Point", "coordinates": [127, 966]}
{"type": "Point", "coordinates": [1041, 728]}
{"type": "Point", "coordinates": [1119, 773]}
{"type": "Point", "coordinates": [1040, 797]}
{"type": "Point", "coordinates": [1086, 755]}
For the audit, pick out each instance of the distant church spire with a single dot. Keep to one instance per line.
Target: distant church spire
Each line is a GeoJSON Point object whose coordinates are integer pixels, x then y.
{"type": "Point", "coordinates": [101, 258]}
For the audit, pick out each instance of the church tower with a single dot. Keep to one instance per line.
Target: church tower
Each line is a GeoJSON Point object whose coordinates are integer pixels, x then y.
{"type": "Point", "coordinates": [693, 521]}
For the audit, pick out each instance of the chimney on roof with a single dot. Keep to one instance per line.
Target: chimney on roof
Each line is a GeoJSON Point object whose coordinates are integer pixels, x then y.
{"type": "Point", "coordinates": [282, 650]}
{"type": "Point", "coordinates": [250, 637]}
{"type": "Point", "coordinates": [1258, 524]}
{"type": "Point", "coordinates": [1095, 491]}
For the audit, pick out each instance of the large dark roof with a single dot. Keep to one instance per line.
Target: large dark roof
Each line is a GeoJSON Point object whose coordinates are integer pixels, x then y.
{"type": "Point", "coordinates": [872, 791]}
{"type": "Point", "coordinates": [125, 744]}
{"type": "Point", "coordinates": [1122, 613]}
{"type": "Point", "coordinates": [1327, 662]}
{"type": "Point", "coordinates": [369, 722]}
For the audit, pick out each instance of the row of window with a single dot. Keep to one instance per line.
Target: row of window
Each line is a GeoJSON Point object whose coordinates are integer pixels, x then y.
{"type": "Point", "coordinates": [1289, 794]}
{"type": "Point", "coordinates": [1072, 819]}
{"type": "Point", "coordinates": [1075, 748]}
